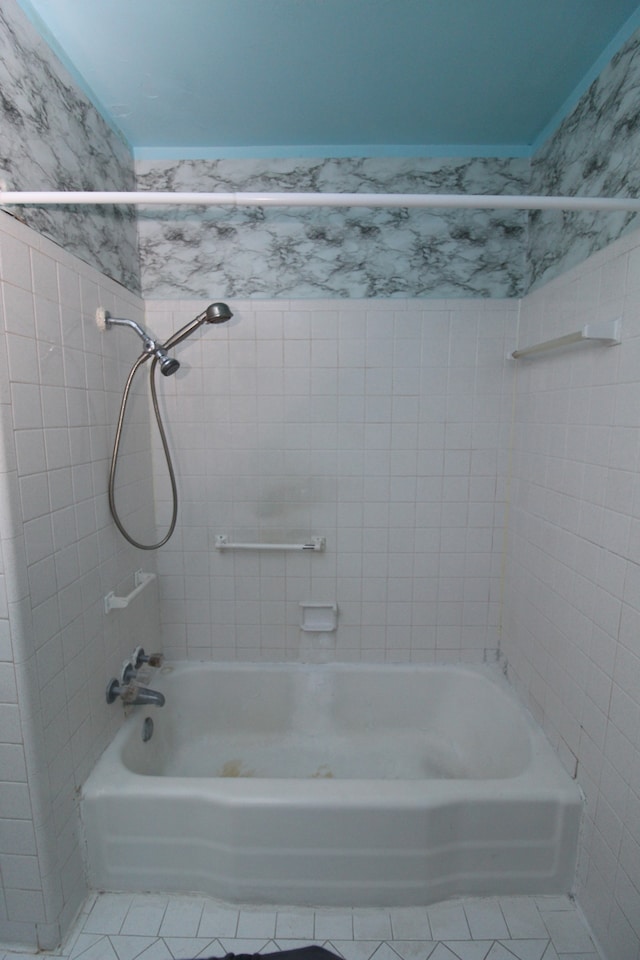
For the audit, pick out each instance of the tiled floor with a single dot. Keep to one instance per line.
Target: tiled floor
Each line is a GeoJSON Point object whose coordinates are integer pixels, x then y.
{"type": "Point", "coordinates": [158, 927]}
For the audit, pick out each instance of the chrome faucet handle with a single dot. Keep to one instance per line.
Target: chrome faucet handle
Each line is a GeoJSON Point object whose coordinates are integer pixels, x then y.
{"type": "Point", "coordinates": [153, 659]}
{"type": "Point", "coordinates": [128, 672]}
{"type": "Point", "coordinates": [114, 690]}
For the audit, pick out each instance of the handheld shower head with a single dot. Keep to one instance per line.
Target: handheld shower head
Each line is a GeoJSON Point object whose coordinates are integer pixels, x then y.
{"type": "Point", "coordinates": [214, 313]}
{"type": "Point", "coordinates": [217, 313]}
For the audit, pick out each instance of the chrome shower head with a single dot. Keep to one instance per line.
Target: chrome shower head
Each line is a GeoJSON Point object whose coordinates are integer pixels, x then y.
{"type": "Point", "coordinates": [214, 313]}
{"type": "Point", "coordinates": [217, 313]}
{"type": "Point", "coordinates": [168, 365]}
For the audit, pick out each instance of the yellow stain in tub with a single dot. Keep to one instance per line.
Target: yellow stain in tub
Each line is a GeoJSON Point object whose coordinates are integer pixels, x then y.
{"type": "Point", "coordinates": [234, 768]}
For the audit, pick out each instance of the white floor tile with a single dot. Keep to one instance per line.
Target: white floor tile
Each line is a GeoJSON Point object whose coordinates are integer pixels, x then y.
{"type": "Point", "coordinates": [145, 916]}
{"type": "Point", "coordinates": [448, 922]}
{"type": "Point", "coordinates": [127, 948]}
{"type": "Point", "coordinates": [143, 920]}
{"type": "Point", "coordinates": [101, 950]}
{"type": "Point", "coordinates": [567, 932]}
{"type": "Point", "coordinates": [218, 921]}
{"type": "Point", "coordinates": [82, 943]}
{"type": "Point", "coordinates": [295, 924]}
{"type": "Point", "coordinates": [384, 952]}
{"type": "Point", "coordinates": [254, 924]}
{"type": "Point", "coordinates": [550, 953]}
{"type": "Point", "coordinates": [108, 914]}
{"type": "Point", "coordinates": [485, 920]}
{"type": "Point", "coordinates": [372, 925]}
{"type": "Point", "coordinates": [443, 952]}
{"type": "Point", "coordinates": [579, 956]}
{"type": "Point", "coordinates": [331, 947]}
{"type": "Point", "coordinates": [182, 947]}
{"type": "Point", "coordinates": [182, 918]}
{"type": "Point", "coordinates": [157, 951]}
{"type": "Point", "coordinates": [523, 918]}
{"type": "Point", "coordinates": [411, 923]}
{"type": "Point", "coordinates": [357, 949]}
{"type": "Point", "coordinates": [333, 925]}
{"type": "Point", "coordinates": [499, 952]}
{"type": "Point", "coordinates": [528, 949]}
{"type": "Point", "coordinates": [470, 949]}
{"type": "Point", "coordinates": [414, 949]}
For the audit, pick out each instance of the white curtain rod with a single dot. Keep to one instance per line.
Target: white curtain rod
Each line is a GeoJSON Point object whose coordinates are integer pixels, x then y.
{"type": "Point", "coordinates": [425, 200]}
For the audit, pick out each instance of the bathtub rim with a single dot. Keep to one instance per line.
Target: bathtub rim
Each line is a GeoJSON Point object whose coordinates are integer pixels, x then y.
{"type": "Point", "coordinates": [544, 764]}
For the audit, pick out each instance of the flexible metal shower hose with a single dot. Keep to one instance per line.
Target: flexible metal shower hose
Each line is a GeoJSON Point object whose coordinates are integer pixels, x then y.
{"type": "Point", "coordinates": [165, 446]}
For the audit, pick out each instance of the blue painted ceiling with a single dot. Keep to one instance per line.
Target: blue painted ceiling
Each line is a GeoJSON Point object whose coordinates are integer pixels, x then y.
{"type": "Point", "coordinates": [184, 78]}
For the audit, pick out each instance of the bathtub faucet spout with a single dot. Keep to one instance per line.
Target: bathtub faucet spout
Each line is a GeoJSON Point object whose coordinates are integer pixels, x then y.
{"type": "Point", "coordinates": [133, 694]}
{"type": "Point", "coordinates": [144, 695]}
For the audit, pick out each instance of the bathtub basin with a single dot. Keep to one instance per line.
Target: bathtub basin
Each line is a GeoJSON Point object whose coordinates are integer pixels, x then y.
{"type": "Point", "coordinates": [354, 785]}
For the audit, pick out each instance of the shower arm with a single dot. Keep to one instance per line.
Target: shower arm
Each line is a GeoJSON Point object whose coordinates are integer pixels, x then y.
{"type": "Point", "coordinates": [149, 343]}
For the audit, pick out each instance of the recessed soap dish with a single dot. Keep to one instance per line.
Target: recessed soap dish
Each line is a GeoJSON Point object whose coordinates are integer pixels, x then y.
{"type": "Point", "coordinates": [318, 617]}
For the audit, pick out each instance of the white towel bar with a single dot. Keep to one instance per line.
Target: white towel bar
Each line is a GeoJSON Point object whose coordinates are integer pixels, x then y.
{"type": "Point", "coordinates": [607, 333]}
{"type": "Point", "coordinates": [315, 543]}
{"type": "Point", "coordinates": [141, 579]}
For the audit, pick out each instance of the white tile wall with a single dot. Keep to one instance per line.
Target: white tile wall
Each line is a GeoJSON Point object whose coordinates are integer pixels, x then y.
{"type": "Point", "coordinates": [572, 595]}
{"type": "Point", "coordinates": [381, 425]}
{"type": "Point", "coordinates": [60, 382]}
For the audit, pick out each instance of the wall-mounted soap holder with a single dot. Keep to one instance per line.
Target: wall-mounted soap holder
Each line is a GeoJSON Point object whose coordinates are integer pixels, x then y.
{"type": "Point", "coordinates": [318, 617]}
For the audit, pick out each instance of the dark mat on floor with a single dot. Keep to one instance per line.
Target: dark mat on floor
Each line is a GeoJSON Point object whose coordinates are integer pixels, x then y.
{"type": "Point", "coordinates": [301, 953]}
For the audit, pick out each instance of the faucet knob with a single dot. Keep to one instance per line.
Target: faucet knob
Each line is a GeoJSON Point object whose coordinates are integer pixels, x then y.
{"type": "Point", "coordinates": [114, 690]}
{"type": "Point", "coordinates": [128, 671]}
{"type": "Point", "coordinates": [153, 659]}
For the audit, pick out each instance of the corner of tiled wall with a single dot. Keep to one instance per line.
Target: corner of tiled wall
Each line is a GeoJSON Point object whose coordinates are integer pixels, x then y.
{"type": "Point", "coordinates": [572, 599]}
{"type": "Point", "coordinates": [60, 556]}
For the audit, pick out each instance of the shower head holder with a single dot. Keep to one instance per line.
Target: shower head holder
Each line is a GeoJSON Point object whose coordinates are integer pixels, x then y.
{"type": "Point", "coordinates": [168, 365]}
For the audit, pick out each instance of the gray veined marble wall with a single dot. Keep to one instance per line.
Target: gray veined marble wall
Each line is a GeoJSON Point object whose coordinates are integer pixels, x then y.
{"type": "Point", "coordinates": [333, 252]}
{"type": "Point", "coordinates": [594, 152]}
{"type": "Point", "coordinates": [53, 138]}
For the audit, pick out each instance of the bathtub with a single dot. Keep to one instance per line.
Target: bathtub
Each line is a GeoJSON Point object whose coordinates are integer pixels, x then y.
{"type": "Point", "coordinates": [350, 785]}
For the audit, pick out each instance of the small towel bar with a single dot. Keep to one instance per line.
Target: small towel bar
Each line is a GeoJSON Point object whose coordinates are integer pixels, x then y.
{"type": "Point", "coordinates": [317, 544]}
{"type": "Point", "coordinates": [141, 579]}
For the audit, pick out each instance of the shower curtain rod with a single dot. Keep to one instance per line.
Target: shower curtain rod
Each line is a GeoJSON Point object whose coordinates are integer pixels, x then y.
{"type": "Point", "coordinates": [425, 200]}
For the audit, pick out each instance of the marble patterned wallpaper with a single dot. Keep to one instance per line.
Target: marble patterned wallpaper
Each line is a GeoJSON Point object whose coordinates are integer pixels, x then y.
{"type": "Point", "coordinates": [594, 152]}
{"type": "Point", "coordinates": [53, 138]}
{"type": "Point", "coordinates": [332, 252]}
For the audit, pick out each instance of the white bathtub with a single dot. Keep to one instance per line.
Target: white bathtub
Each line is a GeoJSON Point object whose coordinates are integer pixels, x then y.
{"type": "Point", "coordinates": [331, 785]}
